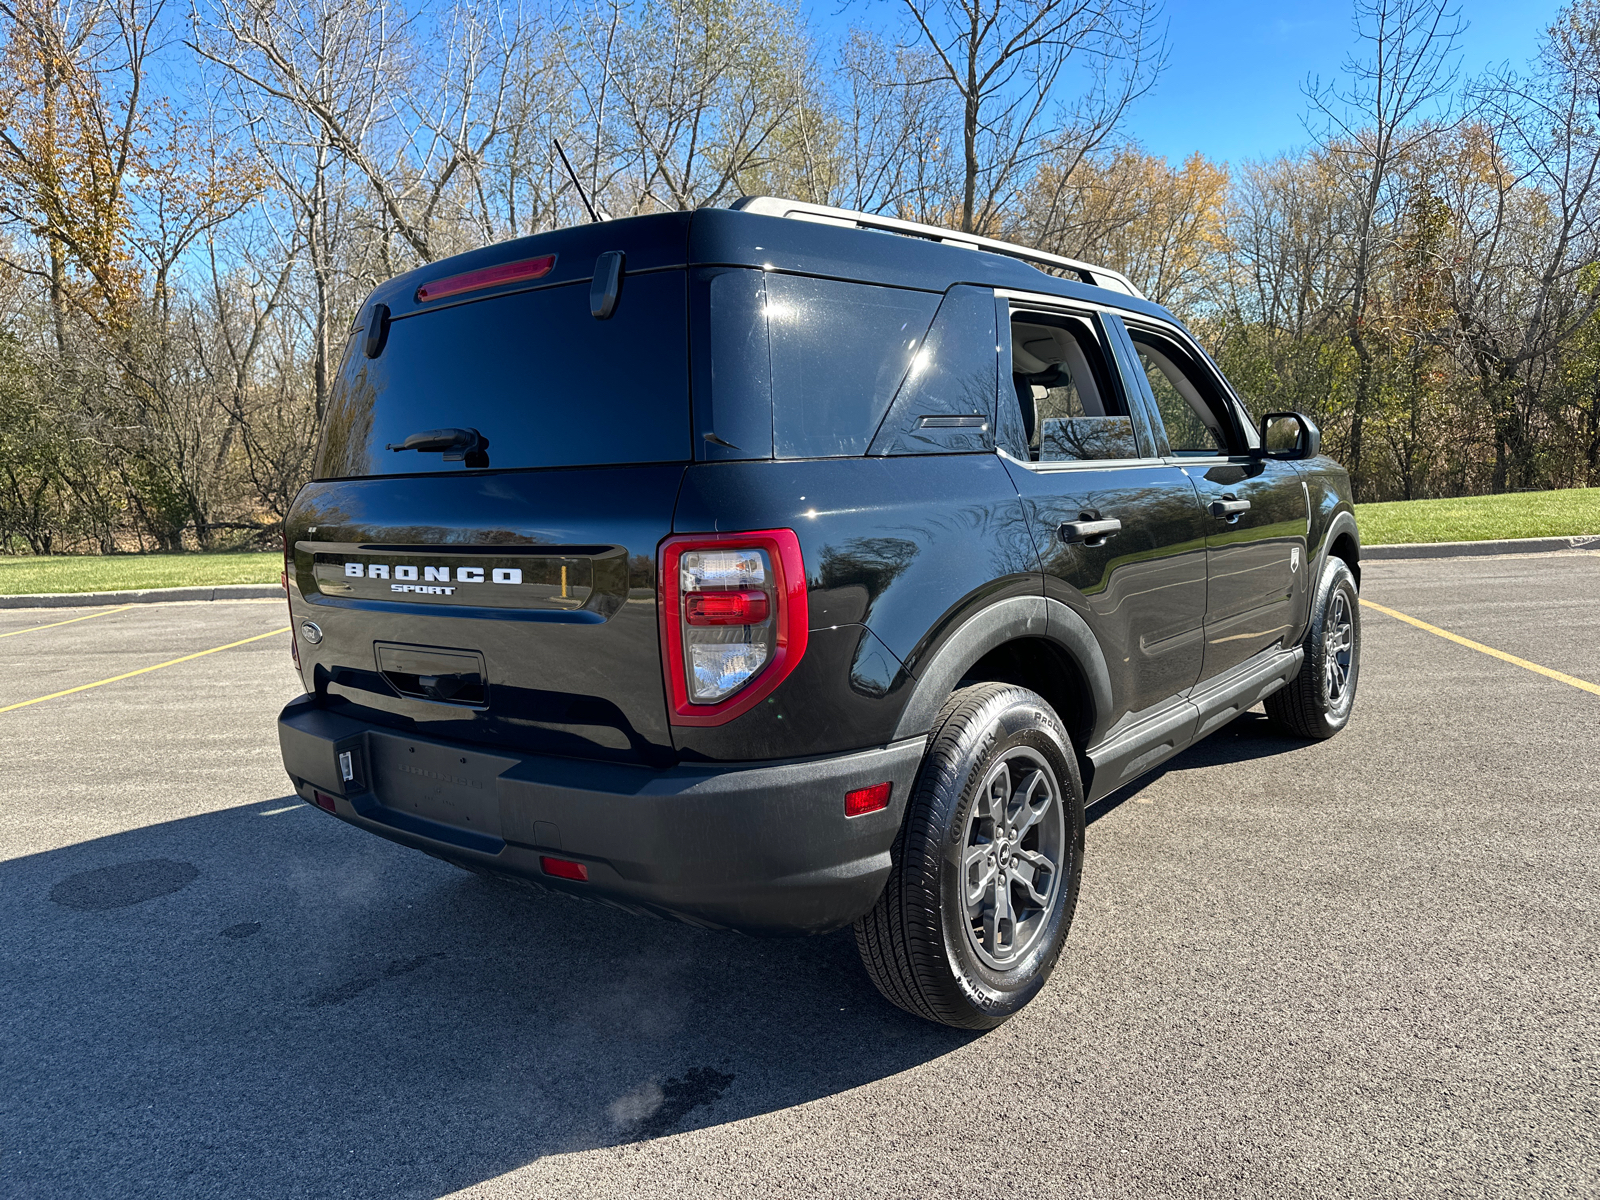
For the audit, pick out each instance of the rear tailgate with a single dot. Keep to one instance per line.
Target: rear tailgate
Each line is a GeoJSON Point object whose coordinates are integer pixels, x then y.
{"type": "Point", "coordinates": [516, 609]}
{"type": "Point", "coordinates": [500, 459]}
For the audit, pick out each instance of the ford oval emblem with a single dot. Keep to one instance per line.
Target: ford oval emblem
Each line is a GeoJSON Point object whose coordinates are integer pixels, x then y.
{"type": "Point", "coordinates": [312, 632]}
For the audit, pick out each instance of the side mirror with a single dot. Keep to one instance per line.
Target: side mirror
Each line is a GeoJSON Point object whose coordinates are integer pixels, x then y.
{"type": "Point", "coordinates": [1289, 435]}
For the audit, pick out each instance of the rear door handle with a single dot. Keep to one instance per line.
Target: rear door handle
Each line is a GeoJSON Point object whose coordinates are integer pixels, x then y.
{"type": "Point", "coordinates": [1090, 533]}
{"type": "Point", "coordinates": [1228, 508]}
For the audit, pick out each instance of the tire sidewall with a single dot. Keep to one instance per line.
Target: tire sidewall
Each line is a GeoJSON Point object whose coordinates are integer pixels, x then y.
{"type": "Point", "coordinates": [1023, 721]}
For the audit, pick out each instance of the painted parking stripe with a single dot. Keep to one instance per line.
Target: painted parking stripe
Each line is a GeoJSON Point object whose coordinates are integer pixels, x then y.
{"type": "Point", "coordinates": [171, 662]}
{"type": "Point", "coordinates": [69, 621]}
{"type": "Point", "coordinates": [1584, 684]}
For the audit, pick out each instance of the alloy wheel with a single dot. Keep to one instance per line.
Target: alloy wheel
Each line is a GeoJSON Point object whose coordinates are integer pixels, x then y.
{"type": "Point", "coordinates": [1013, 858]}
{"type": "Point", "coordinates": [1338, 649]}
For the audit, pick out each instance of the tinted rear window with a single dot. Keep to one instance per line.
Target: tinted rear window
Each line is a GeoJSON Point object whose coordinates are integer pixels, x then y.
{"type": "Point", "coordinates": [839, 352]}
{"type": "Point", "coordinates": [534, 372]}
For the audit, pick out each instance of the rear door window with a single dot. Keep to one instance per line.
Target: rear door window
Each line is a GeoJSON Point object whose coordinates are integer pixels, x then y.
{"type": "Point", "coordinates": [1069, 403]}
{"type": "Point", "coordinates": [534, 372]}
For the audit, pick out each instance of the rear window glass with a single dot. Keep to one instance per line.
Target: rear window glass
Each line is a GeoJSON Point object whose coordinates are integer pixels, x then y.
{"type": "Point", "coordinates": [535, 373]}
{"type": "Point", "coordinates": [839, 352]}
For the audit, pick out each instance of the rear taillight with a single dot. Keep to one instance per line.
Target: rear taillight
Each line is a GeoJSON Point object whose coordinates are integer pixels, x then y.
{"type": "Point", "coordinates": [725, 608]}
{"type": "Point", "coordinates": [733, 620]}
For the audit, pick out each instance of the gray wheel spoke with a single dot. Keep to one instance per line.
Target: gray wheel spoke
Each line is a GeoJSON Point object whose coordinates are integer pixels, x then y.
{"type": "Point", "coordinates": [999, 921]}
{"type": "Point", "coordinates": [1027, 870]}
{"type": "Point", "coordinates": [978, 889]}
{"type": "Point", "coordinates": [1031, 811]}
{"type": "Point", "coordinates": [1000, 796]}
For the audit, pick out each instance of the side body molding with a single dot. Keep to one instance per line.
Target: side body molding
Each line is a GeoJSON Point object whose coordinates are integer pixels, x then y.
{"type": "Point", "coordinates": [1002, 622]}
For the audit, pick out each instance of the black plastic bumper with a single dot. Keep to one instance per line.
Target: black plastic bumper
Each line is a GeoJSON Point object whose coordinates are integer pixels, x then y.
{"type": "Point", "coordinates": [762, 847]}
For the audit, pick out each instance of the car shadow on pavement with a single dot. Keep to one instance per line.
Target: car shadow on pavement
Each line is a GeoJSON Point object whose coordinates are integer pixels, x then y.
{"type": "Point", "coordinates": [264, 1001]}
{"type": "Point", "coordinates": [1247, 737]}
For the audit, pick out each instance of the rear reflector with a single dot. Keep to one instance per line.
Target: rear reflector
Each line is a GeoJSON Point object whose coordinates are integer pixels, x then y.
{"type": "Point", "coordinates": [866, 800]}
{"type": "Point", "coordinates": [324, 801]}
{"type": "Point", "coordinates": [563, 868]}
{"type": "Point", "coordinates": [472, 281]}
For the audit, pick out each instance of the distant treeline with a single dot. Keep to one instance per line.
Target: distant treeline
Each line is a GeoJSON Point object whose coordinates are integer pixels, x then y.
{"type": "Point", "coordinates": [194, 203]}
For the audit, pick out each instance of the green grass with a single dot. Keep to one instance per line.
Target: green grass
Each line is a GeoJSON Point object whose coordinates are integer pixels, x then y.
{"type": "Point", "coordinates": [1567, 513]}
{"type": "Point", "coordinates": [133, 572]}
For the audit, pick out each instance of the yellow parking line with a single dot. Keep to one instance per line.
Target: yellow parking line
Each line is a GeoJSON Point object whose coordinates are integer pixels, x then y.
{"type": "Point", "coordinates": [83, 687]}
{"type": "Point", "coordinates": [1584, 684]}
{"type": "Point", "coordinates": [69, 621]}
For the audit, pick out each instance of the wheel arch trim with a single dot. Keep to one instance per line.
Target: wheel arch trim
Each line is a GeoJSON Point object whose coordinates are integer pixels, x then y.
{"type": "Point", "coordinates": [1006, 621]}
{"type": "Point", "coordinates": [1343, 522]}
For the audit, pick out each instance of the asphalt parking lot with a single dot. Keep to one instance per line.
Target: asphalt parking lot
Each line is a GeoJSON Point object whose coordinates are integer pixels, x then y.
{"type": "Point", "coordinates": [1365, 967]}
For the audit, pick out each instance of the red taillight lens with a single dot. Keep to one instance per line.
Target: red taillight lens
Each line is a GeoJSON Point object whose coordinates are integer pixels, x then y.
{"type": "Point", "coordinates": [324, 801]}
{"type": "Point", "coordinates": [563, 868]}
{"type": "Point", "coordinates": [725, 608]}
{"type": "Point", "coordinates": [472, 281]}
{"type": "Point", "coordinates": [734, 620]}
{"type": "Point", "coordinates": [867, 800]}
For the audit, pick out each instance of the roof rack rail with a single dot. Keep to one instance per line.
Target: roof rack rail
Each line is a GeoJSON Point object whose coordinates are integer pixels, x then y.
{"type": "Point", "coordinates": [800, 210]}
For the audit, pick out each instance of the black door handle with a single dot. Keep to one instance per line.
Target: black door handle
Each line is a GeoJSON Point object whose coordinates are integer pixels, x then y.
{"type": "Point", "coordinates": [1090, 533]}
{"type": "Point", "coordinates": [1228, 509]}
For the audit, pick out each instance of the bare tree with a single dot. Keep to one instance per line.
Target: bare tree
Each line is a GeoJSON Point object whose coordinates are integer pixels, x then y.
{"type": "Point", "coordinates": [352, 68]}
{"type": "Point", "coordinates": [689, 102]}
{"type": "Point", "coordinates": [1368, 125]}
{"type": "Point", "coordinates": [895, 151]}
{"type": "Point", "coordinates": [1004, 61]}
{"type": "Point", "coordinates": [1528, 201]}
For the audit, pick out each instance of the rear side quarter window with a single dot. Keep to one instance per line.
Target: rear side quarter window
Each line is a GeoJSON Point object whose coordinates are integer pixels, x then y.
{"type": "Point", "coordinates": [839, 353]}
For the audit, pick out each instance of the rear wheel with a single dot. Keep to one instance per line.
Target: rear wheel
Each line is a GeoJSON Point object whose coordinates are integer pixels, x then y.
{"type": "Point", "coordinates": [987, 864]}
{"type": "Point", "coordinates": [1318, 701]}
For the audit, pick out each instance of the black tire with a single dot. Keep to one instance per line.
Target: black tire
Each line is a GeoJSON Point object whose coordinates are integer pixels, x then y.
{"type": "Point", "coordinates": [1317, 702]}
{"type": "Point", "coordinates": [994, 747]}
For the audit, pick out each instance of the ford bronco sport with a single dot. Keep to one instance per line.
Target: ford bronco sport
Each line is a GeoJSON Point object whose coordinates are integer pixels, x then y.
{"type": "Point", "coordinates": [779, 568]}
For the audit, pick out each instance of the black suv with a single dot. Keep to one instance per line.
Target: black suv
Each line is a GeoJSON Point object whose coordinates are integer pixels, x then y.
{"type": "Point", "coordinates": [778, 567]}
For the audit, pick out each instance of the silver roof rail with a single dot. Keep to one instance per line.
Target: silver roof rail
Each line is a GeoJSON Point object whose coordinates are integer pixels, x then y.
{"type": "Point", "coordinates": [773, 206]}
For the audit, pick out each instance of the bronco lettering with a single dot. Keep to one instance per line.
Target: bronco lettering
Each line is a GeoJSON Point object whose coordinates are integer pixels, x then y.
{"type": "Point", "coordinates": [355, 570]}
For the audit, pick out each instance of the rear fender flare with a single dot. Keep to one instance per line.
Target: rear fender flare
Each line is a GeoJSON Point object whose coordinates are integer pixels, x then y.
{"type": "Point", "coordinates": [1002, 622]}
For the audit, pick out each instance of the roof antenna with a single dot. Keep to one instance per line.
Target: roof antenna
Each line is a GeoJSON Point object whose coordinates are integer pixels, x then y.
{"type": "Point", "coordinates": [594, 216]}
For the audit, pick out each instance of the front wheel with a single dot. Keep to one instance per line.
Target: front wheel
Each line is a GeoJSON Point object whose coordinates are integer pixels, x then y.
{"type": "Point", "coordinates": [1317, 702]}
{"type": "Point", "coordinates": [986, 867]}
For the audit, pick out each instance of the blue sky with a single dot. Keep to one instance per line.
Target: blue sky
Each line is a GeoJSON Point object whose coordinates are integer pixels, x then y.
{"type": "Point", "coordinates": [1232, 85]}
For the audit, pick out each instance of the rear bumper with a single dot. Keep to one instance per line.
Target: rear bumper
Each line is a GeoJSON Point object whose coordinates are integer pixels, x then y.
{"type": "Point", "coordinates": [761, 847]}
